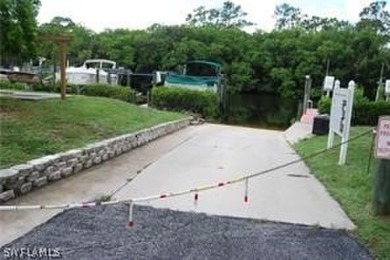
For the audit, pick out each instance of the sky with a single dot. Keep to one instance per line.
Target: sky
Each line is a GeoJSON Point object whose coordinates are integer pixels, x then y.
{"type": "Point", "coordinates": [101, 14]}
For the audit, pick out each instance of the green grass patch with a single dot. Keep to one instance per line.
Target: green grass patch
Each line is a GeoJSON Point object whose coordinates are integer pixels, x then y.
{"type": "Point", "coordinates": [31, 129]}
{"type": "Point", "coordinates": [352, 186]}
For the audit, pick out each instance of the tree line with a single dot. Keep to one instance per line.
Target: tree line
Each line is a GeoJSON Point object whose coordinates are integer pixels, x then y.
{"type": "Point", "coordinates": [274, 62]}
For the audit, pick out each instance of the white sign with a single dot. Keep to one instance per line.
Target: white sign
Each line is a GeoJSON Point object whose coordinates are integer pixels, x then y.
{"type": "Point", "coordinates": [387, 87]}
{"type": "Point", "coordinates": [340, 117]}
{"type": "Point", "coordinates": [382, 141]}
{"type": "Point", "coordinates": [328, 83]}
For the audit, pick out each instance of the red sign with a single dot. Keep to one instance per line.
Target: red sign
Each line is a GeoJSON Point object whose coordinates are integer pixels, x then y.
{"type": "Point", "coordinates": [382, 141]}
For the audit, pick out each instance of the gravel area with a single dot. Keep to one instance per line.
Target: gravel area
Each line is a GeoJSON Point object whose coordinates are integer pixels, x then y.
{"type": "Point", "coordinates": [101, 233]}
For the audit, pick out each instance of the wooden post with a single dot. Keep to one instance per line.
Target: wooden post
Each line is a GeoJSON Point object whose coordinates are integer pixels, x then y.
{"type": "Point", "coordinates": [62, 42]}
{"type": "Point", "coordinates": [128, 83]}
{"type": "Point", "coordinates": [97, 76]}
{"type": "Point", "coordinates": [62, 69]}
{"type": "Point", "coordinates": [381, 204]}
{"type": "Point", "coordinates": [381, 200]}
{"type": "Point", "coordinates": [109, 78]}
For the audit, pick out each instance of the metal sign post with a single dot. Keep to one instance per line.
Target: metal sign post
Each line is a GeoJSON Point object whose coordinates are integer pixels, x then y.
{"type": "Point", "coordinates": [340, 117]}
{"type": "Point", "coordinates": [387, 89]}
{"type": "Point", "coordinates": [306, 96]}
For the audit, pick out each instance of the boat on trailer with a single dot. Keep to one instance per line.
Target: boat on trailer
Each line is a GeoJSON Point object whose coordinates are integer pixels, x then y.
{"type": "Point", "coordinates": [91, 72]}
{"type": "Point", "coordinates": [197, 75]}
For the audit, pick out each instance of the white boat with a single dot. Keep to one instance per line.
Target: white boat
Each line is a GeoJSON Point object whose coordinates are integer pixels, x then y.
{"type": "Point", "coordinates": [87, 73]}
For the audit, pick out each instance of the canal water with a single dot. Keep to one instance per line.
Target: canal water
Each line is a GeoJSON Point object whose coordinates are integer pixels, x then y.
{"type": "Point", "coordinates": [260, 110]}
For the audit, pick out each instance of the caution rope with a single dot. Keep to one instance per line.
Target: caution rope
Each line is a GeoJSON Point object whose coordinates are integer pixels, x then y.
{"type": "Point", "coordinates": [195, 191]}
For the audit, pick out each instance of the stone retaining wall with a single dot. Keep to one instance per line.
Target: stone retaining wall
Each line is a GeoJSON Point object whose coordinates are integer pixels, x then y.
{"type": "Point", "coordinates": [23, 178]}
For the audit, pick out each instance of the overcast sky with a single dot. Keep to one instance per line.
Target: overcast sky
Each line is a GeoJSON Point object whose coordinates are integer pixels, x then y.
{"type": "Point", "coordinates": [100, 14]}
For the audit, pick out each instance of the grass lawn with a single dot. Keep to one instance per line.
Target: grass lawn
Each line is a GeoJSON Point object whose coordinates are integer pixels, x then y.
{"type": "Point", "coordinates": [352, 187]}
{"type": "Point", "coordinates": [31, 129]}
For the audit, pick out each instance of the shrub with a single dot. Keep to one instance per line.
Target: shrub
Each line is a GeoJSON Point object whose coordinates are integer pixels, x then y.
{"type": "Point", "coordinates": [204, 103]}
{"type": "Point", "coordinates": [367, 113]}
{"type": "Point", "coordinates": [324, 105]}
{"type": "Point", "coordinates": [364, 112]}
{"type": "Point", "coordinates": [110, 91]}
{"type": "Point", "coordinates": [5, 84]}
{"type": "Point", "coordinates": [70, 89]}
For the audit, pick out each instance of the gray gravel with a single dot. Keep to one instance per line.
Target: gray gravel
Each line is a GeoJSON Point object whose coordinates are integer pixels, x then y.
{"type": "Point", "coordinates": [100, 233]}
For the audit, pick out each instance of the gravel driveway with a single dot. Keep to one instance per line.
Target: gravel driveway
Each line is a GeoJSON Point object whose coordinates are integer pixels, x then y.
{"type": "Point", "coordinates": [100, 233]}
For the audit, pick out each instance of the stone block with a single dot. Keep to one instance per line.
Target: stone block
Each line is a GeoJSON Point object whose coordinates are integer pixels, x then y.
{"type": "Point", "coordinates": [83, 158]}
{"type": "Point", "coordinates": [8, 173]}
{"type": "Point", "coordinates": [111, 154]}
{"type": "Point", "coordinates": [1, 188]}
{"type": "Point", "coordinates": [61, 165]}
{"type": "Point", "coordinates": [26, 187]}
{"type": "Point", "coordinates": [39, 164]}
{"type": "Point", "coordinates": [33, 176]}
{"type": "Point", "coordinates": [40, 181]}
{"type": "Point", "coordinates": [49, 170]}
{"type": "Point", "coordinates": [23, 169]}
{"type": "Point", "coordinates": [77, 168]}
{"type": "Point", "coordinates": [54, 176]}
{"type": "Point", "coordinates": [105, 157]}
{"type": "Point", "coordinates": [7, 195]}
{"type": "Point", "coordinates": [97, 160]}
{"type": "Point", "coordinates": [88, 164]}
{"type": "Point", "coordinates": [66, 171]}
{"type": "Point", "coordinates": [72, 162]}
{"type": "Point", "coordinates": [14, 183]}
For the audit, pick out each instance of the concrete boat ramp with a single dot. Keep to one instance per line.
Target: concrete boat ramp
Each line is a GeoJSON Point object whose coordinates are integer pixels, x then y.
{"type": "Point", "coordinates": [197, 156]}
{"type": "Point", "coordinates": [215, 154]}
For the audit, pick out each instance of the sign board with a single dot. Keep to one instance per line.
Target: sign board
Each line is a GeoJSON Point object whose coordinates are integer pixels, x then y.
{"type": "Point", "coordinates": [328, 83]}
{"type": "Point", "coordinates": [340, 117]}
{"type": "Point", "coordinates": [382, 140]}
{"type": "Point", "coordinates": [387, 87]}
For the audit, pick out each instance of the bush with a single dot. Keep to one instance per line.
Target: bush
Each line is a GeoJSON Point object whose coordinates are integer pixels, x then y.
{"type": "Point", "coordinates": [110, 91]}
{"type": "Point", "coordinates": [324, 105]}
{"type": "Point", "coordinates": [364, 112]}
{"type": "Point", "coordinates": [204, 103]}
{"type": "Point", "coordinates": [367, 113]}
{"type": "Point", "coordinates": [5, 84]}
{"type": "Point", "coordinates": [70, 89]}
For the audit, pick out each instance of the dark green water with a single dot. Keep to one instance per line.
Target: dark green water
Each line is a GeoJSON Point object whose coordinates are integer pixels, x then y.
{"type": "Point", "coordinates": [260, 110]}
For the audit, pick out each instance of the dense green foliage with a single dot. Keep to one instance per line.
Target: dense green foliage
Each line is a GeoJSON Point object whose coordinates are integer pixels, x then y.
{"type": "Point", "coordinates": [18, 28]}
{"type": "Point", "coordinates": [229, 15]}
{"type": "Point", "coordinates": [364, 112]}
{"type": "Point", "coordinates": [34, 129]}
{"type": "Point", "coordinates": [204, 103]}
{"type": "Point", "coordinates": [367, 113]}
{"type": "Point", "coordinates": [274, 62]}
{"type": "Point", "coordinates": [5, 84]}
{"type": "Point", "coordinates": [352, 186]}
